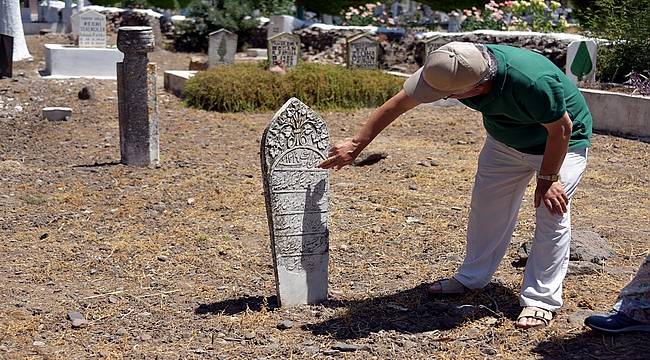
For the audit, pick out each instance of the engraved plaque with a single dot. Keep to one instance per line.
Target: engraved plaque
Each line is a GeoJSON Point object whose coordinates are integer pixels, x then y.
{"type": "Point", "coordinates": [297, 202]}
{"type": "Point", "coordinates": [222, 47]}
{"type": "Point", "coordinates": [284, 49]}
{"type": "Point", "coordinates": [363, 52]}
{"type": "Point", "coordinates": [92, 29]}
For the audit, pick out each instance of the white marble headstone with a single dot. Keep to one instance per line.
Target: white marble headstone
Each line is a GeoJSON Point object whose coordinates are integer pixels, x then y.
{"type": "Point", "coordinates": [222, 47]}
{"type": "Point", "coordinates": [285, 49]}
{"type": "Point", "coordinates": [92, 29]}
{"type": "Point", "coordinates": [297, 202]}
{"type": "Point", "coordinates": [363, 52]}
{"type": "Point", "coordinates": [581, 61]}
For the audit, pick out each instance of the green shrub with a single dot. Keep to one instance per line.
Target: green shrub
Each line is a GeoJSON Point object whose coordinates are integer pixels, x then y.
{"type": "Point", "coordinates": [626, 23]}
{"type": "Point", "coordinates": [250, 87]}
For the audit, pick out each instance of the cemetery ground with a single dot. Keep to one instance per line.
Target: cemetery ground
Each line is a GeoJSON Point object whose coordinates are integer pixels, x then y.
{"type": "Point", "coordinates": [174, 261]}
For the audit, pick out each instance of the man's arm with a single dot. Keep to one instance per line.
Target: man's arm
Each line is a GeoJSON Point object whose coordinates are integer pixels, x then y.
{"type": "Point", "coordinates": [557, 142]}
{"type": "Point", "coordinates": [345, 152]}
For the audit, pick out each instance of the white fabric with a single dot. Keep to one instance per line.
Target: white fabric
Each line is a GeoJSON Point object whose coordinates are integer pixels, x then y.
{"type": "Point", "coordinates": [501, 180]}
{"type": "Point", "coordinates": [11, 25]}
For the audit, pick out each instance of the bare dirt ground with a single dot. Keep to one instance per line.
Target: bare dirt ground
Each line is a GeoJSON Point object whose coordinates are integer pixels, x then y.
{"type": "Point", "coordinates": [174, 261]}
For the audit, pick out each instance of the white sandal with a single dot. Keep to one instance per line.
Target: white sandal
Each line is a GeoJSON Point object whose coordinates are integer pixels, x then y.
{"type": "Point", "coordinates": [543, 315]}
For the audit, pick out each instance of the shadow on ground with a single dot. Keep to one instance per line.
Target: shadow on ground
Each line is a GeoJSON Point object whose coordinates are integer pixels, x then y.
{"type": "Point", "coordinates": [414, 311]}
{"type": "Point", "coordinates": [594, 345]}
{"type": "Point", "coordinates": [236, 306]}
{"type": "Point", "coordinates": [408, 311]}
{"type": "Point", "coordinates": [98, 164]}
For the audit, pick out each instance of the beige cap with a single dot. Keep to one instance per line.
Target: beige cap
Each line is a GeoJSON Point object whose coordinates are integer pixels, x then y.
{"type": "Point", "coordinates": [453, 68]}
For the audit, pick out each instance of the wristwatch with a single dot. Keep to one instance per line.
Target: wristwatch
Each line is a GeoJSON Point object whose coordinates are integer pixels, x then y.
{"type": "Point", "coordinates": [552, 177]}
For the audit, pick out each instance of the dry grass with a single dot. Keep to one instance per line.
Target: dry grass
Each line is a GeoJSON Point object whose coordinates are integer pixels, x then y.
{"type": "Point", "coordinates": [107, 225]}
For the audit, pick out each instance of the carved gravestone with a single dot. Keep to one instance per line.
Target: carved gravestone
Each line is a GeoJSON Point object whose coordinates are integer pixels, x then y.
{"type": "Point", "coordinates": [284, 50]}
{"type": "Point", "coordinates": [297, 202]}
{"type": "Point", "coordinates": [432, 45]}
{"type": "Point", "coordinates": [222, 47]}
{"type": "Point", "coordinates": [92, 29]}
{"type": "Point", "coordinates": [581, 61]}
{"type": "Point", "coordinates": [363, 52]}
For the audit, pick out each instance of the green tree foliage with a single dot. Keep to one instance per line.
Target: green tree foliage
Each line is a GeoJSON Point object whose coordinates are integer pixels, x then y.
{"type": "Point", "coordinates": [582, 8]}
{"type": "Point", "coordinates": [328, 7]}
{"type": "Point", "coordinates": [626, 24]}
{"type": "Point", "coordinates": [207, 16]}
{"type": "Point", "coordinates": [250, 87]}
{"type": "Point", "coordinates": [272, 7]}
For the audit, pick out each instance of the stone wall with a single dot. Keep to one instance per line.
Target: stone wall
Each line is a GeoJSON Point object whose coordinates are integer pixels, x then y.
{"type": "Point", "coordinates": [407, 52]}
{"type": "Point", "coordinates": [129, 18]}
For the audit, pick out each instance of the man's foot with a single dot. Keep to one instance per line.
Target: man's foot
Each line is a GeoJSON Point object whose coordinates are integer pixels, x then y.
{"type": "Point", "coordinates": [532, 316]}
{"type": "Point", "coordinates": [449, 286]}
{"type": "Point", "coordinates": [615, 322]}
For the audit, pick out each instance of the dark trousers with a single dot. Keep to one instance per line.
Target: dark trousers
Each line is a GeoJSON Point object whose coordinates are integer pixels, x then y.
{"type": "Point", "coordinates": [6, 55]}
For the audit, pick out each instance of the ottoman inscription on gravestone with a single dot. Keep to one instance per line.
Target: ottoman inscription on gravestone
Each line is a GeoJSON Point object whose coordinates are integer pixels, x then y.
{"type": "Point", "coordinates": [363, 52]}
{"type": "Point", "coordinates": [284, 50]}
{"type": "Point", "coordinates": [296, 193]}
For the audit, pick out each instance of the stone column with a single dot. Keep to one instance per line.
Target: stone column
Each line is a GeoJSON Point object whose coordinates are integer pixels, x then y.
{"type": "Point", "coordinates": [136, 92]}
{"type": "Point", "coordinates": [66, 12]}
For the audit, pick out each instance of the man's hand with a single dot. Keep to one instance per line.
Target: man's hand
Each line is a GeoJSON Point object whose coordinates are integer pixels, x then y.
{"type": "Point", "coordinates": [341, 154]}
{"type": "Point", "coordinates": [552, 195]}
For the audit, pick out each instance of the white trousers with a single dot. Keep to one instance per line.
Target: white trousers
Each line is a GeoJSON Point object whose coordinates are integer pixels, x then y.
{"type": "Point", "coordinates": [501, 179]}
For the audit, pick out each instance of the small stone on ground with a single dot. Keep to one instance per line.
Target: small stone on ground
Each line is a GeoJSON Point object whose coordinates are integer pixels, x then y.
{"type": "Point", "coordinates": [57, 113]}
{"type": "Point", "coordinates": [285, 324]}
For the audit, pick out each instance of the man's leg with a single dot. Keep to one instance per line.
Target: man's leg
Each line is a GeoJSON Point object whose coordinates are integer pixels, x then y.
{"type": "Point", "coordinates": [499, 187]}
{"type": "Point", "coordinates": [634, 300]}
{"type": "Point", "coordinates": [549, 256]}
{"type": "Point", "coordinates": [632, 309]}
{"type": "Point", "coordinates": [6, 55]}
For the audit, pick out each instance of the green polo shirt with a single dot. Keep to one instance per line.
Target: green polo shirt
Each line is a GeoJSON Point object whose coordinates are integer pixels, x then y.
{"type": "Point", "coordinates": [529, 90]}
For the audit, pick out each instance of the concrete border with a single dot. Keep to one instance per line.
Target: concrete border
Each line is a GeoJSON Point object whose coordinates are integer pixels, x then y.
{"type": "Point", "coordinates": [619, 113]}
{"type": "Point", "coordinates": [174, 80]}
{"type": "Point", "coordinates": [63, 61]}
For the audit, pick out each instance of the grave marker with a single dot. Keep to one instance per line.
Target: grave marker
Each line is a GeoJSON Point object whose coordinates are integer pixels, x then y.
{"type": "Point", "coordinates": [297, 202]}
{"type": "Point", "coordinates": [363, 52]}
{"type": "Point", "coordinates": [279, 24]}
{"type": "Point", "coordinates": [92, 29]}
{"type": "Point", "coordinates": [285, 49]}
{"type": "Point", "coordinates": [222, 47]}
{"type": "Point", "coordinates": [581, 61]}
{"type": "Point", "coordinates": [136, 97]}
{"type": "Point", "coordinates": [433, 44]}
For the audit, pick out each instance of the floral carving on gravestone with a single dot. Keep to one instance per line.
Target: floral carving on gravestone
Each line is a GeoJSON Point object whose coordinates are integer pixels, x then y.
{"type": "Point", "coordinates": [296, 193]}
